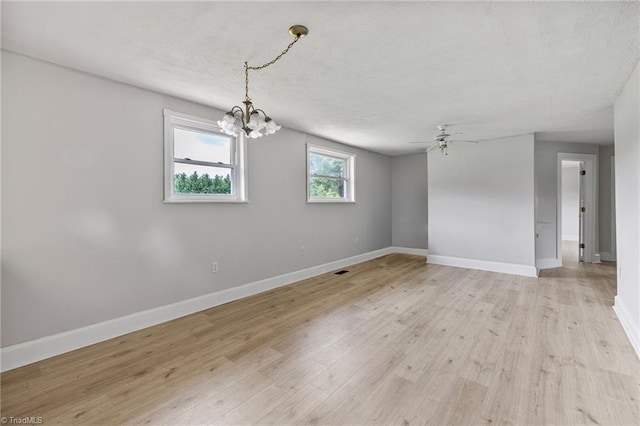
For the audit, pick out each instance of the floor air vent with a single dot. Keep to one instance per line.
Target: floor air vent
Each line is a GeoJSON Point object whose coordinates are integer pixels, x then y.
{"type": "Point", "coordinates": [344, 271]}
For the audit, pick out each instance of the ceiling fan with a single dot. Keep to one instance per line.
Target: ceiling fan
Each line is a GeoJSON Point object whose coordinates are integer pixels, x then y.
{"type": "Point", "coordinates": [442, 140]}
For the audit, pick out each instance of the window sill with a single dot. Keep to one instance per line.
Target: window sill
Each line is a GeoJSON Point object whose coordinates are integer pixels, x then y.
{"type": "Point", "coordinates": [200, 201]}
{"type": "Point", "coordinates": [331, 202]}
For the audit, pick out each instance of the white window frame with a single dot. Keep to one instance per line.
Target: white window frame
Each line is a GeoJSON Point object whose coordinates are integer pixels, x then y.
{"type": "Point", "coordinates": [176, 120]}
{"type": "Point", "coordinates": [349, 177]}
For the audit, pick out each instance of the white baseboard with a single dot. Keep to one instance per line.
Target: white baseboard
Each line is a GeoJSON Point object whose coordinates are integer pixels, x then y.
{"type": "Point", "coordinates": [35, 350]}
{"type": "Point", "coordinates": [632, 330]}
{"type": "Point", "coordinates": [484, 265]}
{"type": "Point", "coordinates": [548, 263]}
{"type": "Point", "coordinates": [607, 257]}
{"type": "Point", "coordinates": [409, 250]}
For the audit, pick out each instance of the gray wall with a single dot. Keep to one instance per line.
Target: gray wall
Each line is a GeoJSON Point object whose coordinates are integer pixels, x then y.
{"type": "Point", "coordinates": [627, 144]}
{"type": "Point", "coordinates": [481, 201]}
{"type": "Point", "coordinates": [605, 203]}
{"type": "Point", "coordinates": [409, 201]}
{"type": "Point", "coordinates": [86, 237]}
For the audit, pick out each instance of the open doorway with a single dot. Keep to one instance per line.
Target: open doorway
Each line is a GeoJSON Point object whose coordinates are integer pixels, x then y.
{"type": "Point", "coordinates": [572, 218]}
{"type": "Point", "coordinates": [577, 201]}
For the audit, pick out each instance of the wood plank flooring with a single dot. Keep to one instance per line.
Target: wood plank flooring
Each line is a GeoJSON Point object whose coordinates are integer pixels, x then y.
{"type": "Point", "coordinates": [393, 342]}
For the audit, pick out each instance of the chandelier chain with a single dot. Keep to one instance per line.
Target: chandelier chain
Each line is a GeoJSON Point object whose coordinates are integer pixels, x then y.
{"type": "Point", "coordinates": [246, 81]}
{"type": "Point", "coordinates": [284, 52]}
{"type": "Point", "coordinates": [247, 67]}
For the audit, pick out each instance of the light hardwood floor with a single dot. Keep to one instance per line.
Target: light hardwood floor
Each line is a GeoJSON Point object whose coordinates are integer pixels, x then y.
{"type": "Point", "coordinates": [394, 341]}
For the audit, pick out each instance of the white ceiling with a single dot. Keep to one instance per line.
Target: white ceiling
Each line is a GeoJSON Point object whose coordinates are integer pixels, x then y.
{"type": "Point", "coordinates": [375, 75]}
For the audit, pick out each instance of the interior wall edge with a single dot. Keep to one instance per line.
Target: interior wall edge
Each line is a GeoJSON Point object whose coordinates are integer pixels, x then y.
{"type": "Point", "coordinates": [633, 333]}
{"type": "Point", "coordinates": [409, 250]}
{"type": "Point", "coordinates": [607, 256]}
{"type": "Point", "coordinates": [549, 263]}
{"type": "Point", "coordinates": [484, 265]}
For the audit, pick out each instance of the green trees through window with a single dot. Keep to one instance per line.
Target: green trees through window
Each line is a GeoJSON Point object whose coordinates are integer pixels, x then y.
{"type": "Point", "coordinates": [326, 176]}
{"type": "Point", "coordinates": [326, 188]}
{"type": "Point", "coordinates": [203, 184]}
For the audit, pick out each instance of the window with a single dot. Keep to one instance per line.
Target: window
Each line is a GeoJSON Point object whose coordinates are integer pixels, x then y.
{"type": "Point", "coordinates": [202, 164]}
{"type": "Point", "coordinates": [330, 175]}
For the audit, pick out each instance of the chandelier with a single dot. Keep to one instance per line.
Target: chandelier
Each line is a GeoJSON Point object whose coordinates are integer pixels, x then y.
{"type": "Point", "coordinates": [251, 120]}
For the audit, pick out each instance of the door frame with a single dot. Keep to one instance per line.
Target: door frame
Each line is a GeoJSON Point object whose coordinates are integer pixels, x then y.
{"type": "Point", "coordinates": [612, 183]}
{"type": "Point", "coordinates": [591, 203]}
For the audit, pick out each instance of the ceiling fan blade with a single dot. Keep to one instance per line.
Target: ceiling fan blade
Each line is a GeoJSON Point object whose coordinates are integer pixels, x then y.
{"type": "Point", "coordinates": [422, 142]}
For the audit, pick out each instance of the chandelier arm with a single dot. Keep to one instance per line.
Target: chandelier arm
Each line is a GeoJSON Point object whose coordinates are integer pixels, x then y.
{"type": "Point", "coordinates": [235, 109]}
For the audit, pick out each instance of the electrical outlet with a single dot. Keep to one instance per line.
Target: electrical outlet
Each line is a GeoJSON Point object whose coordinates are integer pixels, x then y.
{"type": "Point", "coordinates": [302, 250]}
{"type": "Point", "coordinates": [214, 267]}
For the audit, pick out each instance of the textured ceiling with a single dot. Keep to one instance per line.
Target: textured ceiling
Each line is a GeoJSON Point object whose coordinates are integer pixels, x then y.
{"type": "Point", "coordinates": [375, 75]}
